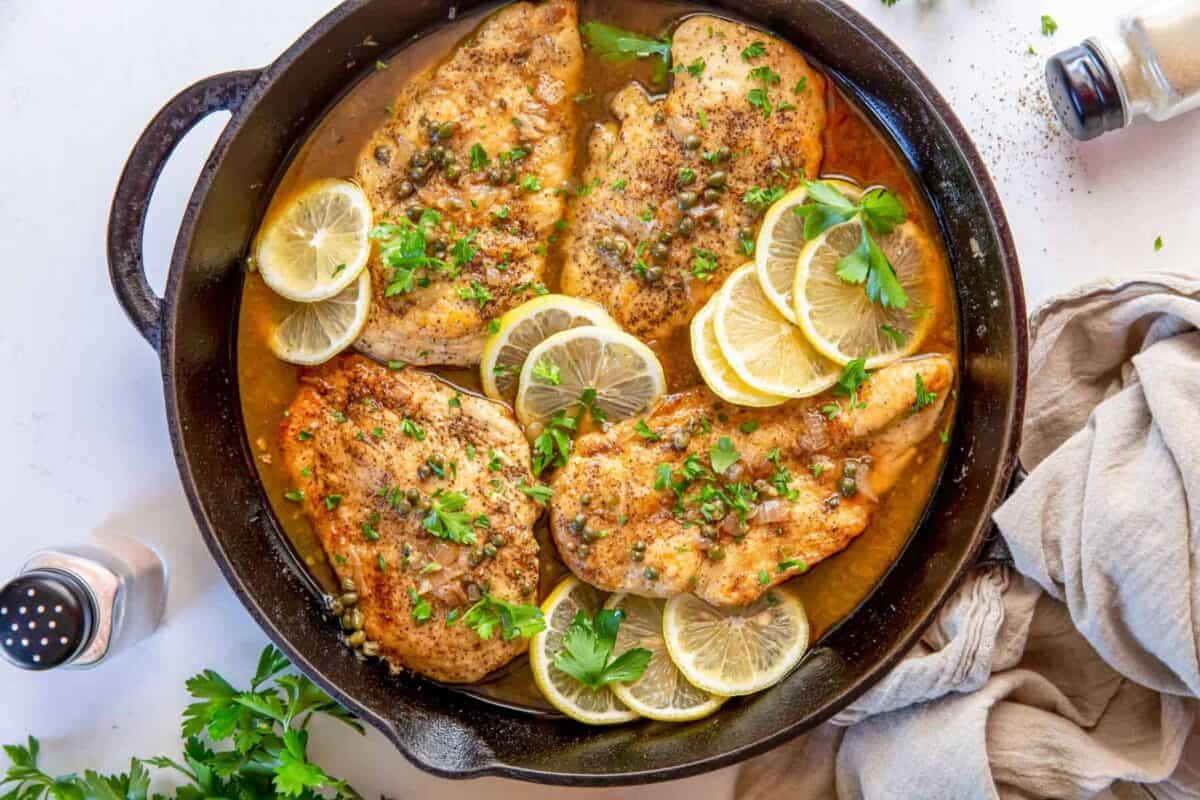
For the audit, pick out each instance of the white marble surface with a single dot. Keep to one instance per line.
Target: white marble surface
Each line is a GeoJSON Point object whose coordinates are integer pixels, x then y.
{"type": "Point", "coordinates": [87, 448]}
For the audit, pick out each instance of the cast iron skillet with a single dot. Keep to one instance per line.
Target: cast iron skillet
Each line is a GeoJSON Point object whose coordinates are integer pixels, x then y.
{"type": "Point", "coordinates": [193, 328]}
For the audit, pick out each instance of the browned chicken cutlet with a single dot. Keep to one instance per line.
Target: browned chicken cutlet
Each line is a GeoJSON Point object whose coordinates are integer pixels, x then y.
{"type": "Point", "coordinates": [667, 217]}
{"type": "Point", "coordinates": [370, 448]}
{"type": "Point", "coordinates": [486, 140]}
{"type": "Point", "coordinates": [658, 521]}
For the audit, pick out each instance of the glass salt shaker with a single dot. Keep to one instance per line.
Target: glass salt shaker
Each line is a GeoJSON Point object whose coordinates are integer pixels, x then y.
{"type": "Point", "coordinates": [73, 607]}
{"type": "Point", "coordinates": [1148, 68]}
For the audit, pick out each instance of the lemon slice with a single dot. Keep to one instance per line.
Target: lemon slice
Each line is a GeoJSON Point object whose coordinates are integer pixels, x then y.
{"type": "Point", "coordinates": [317, 245]}
{"type": "Point", "coordinates": [716, 371]}
{"type": "Point", "coordinates": [625, 374]}
{"type": "Point", "coordinates": [600, 707]}
{"type": "Point", "coordinates": [662, 693]}
{"type": "Point", "coordinates": [527, 326]}
{"type": "Point", "coordinates": [313, 333]}
{"type": "Point", "coordinates": [763, 348]}
{"type": "Point", "coordinates": [779, 242]}
{"type": "Point", "coordinates": [736, 651]}
{"type": "Point", "coordinates": [839, 318]}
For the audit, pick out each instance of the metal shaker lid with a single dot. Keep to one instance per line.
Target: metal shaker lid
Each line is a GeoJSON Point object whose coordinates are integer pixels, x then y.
{"type": "Point", "coordinates": [46, 619]}
{"type": "Point", "coordinates": [1084, 93]}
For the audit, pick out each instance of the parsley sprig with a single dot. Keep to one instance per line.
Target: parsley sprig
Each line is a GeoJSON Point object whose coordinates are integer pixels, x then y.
{"type": "Point", "coordinates": [586, 654]}
{"type": "Point", "coordinates": [265, 726]}
{"type": "Point", "coordinates": [615, 44]}
{"type": "Point", "coordinates": [448, 519]}
{"type": "Point", "coordinates": [512, 619]}
{"type": "Point", "coordinates": [878, 212]}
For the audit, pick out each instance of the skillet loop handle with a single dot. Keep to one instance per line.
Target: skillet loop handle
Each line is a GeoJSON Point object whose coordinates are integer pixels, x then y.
{"type": "Point", "coordinates": [995, 549]}
{"type": "Point", "coordinates": [127, 218]}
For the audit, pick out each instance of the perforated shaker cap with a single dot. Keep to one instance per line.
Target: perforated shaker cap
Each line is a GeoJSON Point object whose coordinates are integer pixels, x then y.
{"type": "Point", "coordinates": [46, 619]}
{"type": "Point", "coordinates": [1084, 92]}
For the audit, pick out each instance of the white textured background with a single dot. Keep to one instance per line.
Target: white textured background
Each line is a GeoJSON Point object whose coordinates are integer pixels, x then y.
{"type": "Point", "coordinates": [86, 446]}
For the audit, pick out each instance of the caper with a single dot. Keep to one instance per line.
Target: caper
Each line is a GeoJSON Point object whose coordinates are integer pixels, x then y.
{"type": "Point", "coordinates": [497, 540]}
{"type": "Point", "coordinates": [666, 237]}
{"type": "Point", "coordinates": [660, 252]}
{"type": "Point", "coordinates": [584, 550]}
{"type": "Point", "coordinates": [620, 246]}
{"type": "Point", "coordinates": [650, 573]}
{"type": "Point", "coordinates": [579, 523]}
{"type": "Point", "coordinates": [639, 545]}
{"type": "Point", "coordinates": [691, 141]}
{"type": "Point", "coordinates": [335, 607]}
{"type": "Point", "coordinates": [402, 506]}
{"type": "Point", "coordinates": [708, 531]}
{"type": "Point", "coordinates": [348, 584]}
{"type": "Point", "coordinates": [723, 154]}
{"type": "Point", "coordinates": [606, 244]}
{"type": "Point", "coordinates": [419, 159]}
{"type": "Point", "coordinates": [370, 649]}
{"type": "Point", "coordinates": [453, 173]}
{"type": "Point", "coordinates": [654, 274]}
{"type": "Point", "coordinates": [473, 591]}
{"type": "Point", "coordinates": [686, 199]}
{"type": "Point", "coordinates": [475, 558]}
{"type": "Point", "coordinates": [686, 177]}
{"type": "Point", "coordinates": [833, 501]}
{"type": "Point", "coordinates": [585, 500]}
{"type": "Point", "coordinates": [848, 487]}
{"type": "Point", "coordinates": [659, 117]}
{"type": "Point", "coordinates": [437, 154]}
{"type": "Point", "coordinates": [637, 555]}
{"type": "Point", "coordinates": [350, 599]}
{"type": "Point", "coordinates": [525, 589]}
{"type": "Point", "coordinates": [761, 486]}
{"type": "Point", "coordinates": [425, 504]}
{"type": "Point", "coordinates": [419, 175]}
{"type": "Point", "coordinates": [439, 245]}
{"type": "Point", "coordinates": [352, 620]}
{"type": "Point", "coordinates": [404, 190]}
{"type": "Point", "coordinates": [710, 195]}
{"type": "Point", "coordinates": [423, 472]}
{"type": "Point", "coordinates": [850, 469]}
{"type": "Point", "coordinates": [431, 128]}
{"type": "Point", "coordinates": [357, 638]}
{"type": "Point", "coordinates": [589, 535]}
{"type": "Point", "coordinates": [716, 553]}
{"type": "Point", "coordinates": [383, 155]}
{"type": "Point", "coordinates": [414, 213]}
{"type": "Point", "coordinates": [686, 225]}
{"type": "Point", "coordinates": [413, 496]}
{"type": "Point", "coordinates": [681, 439]}
{"type": "Point", "coordinates": [717, 180]}
{"type": "Point", "coordinates": [447, 130]}
{"type": "Point", "coordinates": [489, 551]}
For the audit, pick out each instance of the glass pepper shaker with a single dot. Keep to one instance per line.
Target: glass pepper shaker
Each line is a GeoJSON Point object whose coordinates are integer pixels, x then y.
{"type": "Point", "coordinates": [1149, 68]}
{"type": "Point", "coordinates": [73, 607]}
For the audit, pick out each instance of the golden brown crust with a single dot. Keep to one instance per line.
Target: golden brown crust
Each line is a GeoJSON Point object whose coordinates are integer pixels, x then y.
{"type": "Point", "coordinates": [343, 438]}
{"type": "Point", "coordinates": [618, 468]}
{"type": "Point", "coordinates": [634, 167]}
{"type": "Point", "coordinates": [508, 87]}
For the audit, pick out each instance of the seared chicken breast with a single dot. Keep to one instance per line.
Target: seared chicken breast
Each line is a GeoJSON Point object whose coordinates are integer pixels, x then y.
{"type": "Point", "coordinates": [485, 140]}
{"type": "Point", "coordinates": [676, 186]}
{"type": "Point", "coordinates": [372, 451]}
{"type": "Point", "coordinates": [726, 501]}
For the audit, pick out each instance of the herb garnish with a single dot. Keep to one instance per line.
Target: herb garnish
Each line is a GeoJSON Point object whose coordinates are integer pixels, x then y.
{"type": "Point", "coordinates": [513, 620]}
{"type": "Point", "coordinates": [586, 654]}
{"type": "Point", "coordinates": [616, 44]}
{"type": "Point", "coordinates": [446, 518]}
{"type": "Point", "coordinates": [924, 396]}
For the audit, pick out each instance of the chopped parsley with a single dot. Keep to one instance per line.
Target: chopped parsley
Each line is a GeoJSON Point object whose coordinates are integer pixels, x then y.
{"type": "Point", "coordinates": [722, 455]}
{"type": "Point", "coordinates": [479, 158]}
{"type": "Point", "coordinates": [1049, 26]}
{"type": "Point", "coordinates": [547, 372]}
{"type": "Point", "coordinates": [476, 292]}
{"type": "Point", "coordinates": [645, 432]}
{"type": "Point", "coordinates": [531, 183]}
{"type": "Point", "coordinates": [924, 396]}
{"type": "Point", "coordinates": [853, 376]}
{"type": "Point", "coordinates": [704, 263]}
{"type": "Point", "coordinates": [615, 44]}
{"type": "Point", "coordinates": [447, 519]}
{"type": "Point", "coordinates": [540, 494]}
{"type": "Point", "coordinates": [421, 609]}
{"type": "Point", "coordinates": [757, 97]}
{"type": "Point", "coordinates": [295, 495]}
{"type": "Point", "coordinates": [764, 75]}
{"type": "Point", "coordinates": [754, 50]}
{"type": "Point", "coordinates": [513, 620]}
{"type": "Point", "coordinates": [412, 430]}
{"type": "Point", "coordinates": [332, 501]}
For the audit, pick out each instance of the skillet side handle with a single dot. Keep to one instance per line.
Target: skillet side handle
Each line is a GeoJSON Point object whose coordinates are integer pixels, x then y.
{"type": "Point", "coordinates": [995, 549]}
{"type": "Point", "coordinates": [127, 218]}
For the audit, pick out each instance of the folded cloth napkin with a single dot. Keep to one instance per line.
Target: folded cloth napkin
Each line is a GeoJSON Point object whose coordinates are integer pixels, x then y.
{"type": "Point", "coordinates": [1076, 675]}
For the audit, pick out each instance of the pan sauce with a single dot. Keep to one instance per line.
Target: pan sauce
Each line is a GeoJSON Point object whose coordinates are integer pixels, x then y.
{"type": "Point", "coordinates": [853, 148]}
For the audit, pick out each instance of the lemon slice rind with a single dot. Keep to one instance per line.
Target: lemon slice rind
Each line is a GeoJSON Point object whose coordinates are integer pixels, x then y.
{"type": "Point", "coordinates": [715, 369]}
{"type": "Point", "coordinates": [313, 333]}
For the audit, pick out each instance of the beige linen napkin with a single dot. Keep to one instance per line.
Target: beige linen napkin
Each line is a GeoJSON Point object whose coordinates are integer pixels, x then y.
{"type": "Point", "coordinates": [1077, 676]}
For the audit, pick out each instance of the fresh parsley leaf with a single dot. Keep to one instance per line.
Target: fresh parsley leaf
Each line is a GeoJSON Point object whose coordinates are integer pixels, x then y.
{"type": "Point", "coordinates": [749, 426]}
{"type": "Point", "coordinates": [924, 397]}
{"type": "Point", "coordinates": [540, 494]}
{"type": "Point", "coordinates": [704, 263]}
{"type": "Point", "coordinates": [759, 197]}
{"type": "Point", "coordinates": [1158, 244]}
{"type": "Point", "coordinates": [552, 447]}
{"type": "Point", "coordinates": [586, 654]}
{"type": "Point", "coordinates": [332, 501]}
{"type": "Point", "coordinates": [615, 44]}
{"type": "Point", "coordinates": [801, 85]}
{"type": "Point", "coordinates": [513, 620]}
{"type": "Point", "coordinates": [757, 97]}
{"type": "Point", "coordinates": [421, 609]}
{"type": "Point", "coordinates": [531, 183]}
{"type": "Point", "coordinates": [447, 519]}
{"type": "Point", "coordinates": [893, 334]}
{"type": "Point", "coordinates": [686, 175]}
{"type": "Point", "coordinates": [754, 50]}
{"type": "Point", "coordinates": [547, 372]}
{"type": "Point", "coordinates": [853, 376]}
{"type": "Point", "coordinates": [764, 75]}
{"type": "Point", "coordinates": [696, 68]}
{"type": "Point", "coordinates": [479, 158]}
{"type": "Point", "coordinates": [476, 292]}
{"type": "Point", "coordinates": [412, 430]}
{"type": "Point", "coordinates": [722, 455]}
{"type": "Point", "coordinates": [792, 563]}
{"type": "Point", "coordinates": [882, 210]}
{"type": "Point", "coordinates": [1049, 26]}
{"type": "Point", "coordinates": [645, 432]}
